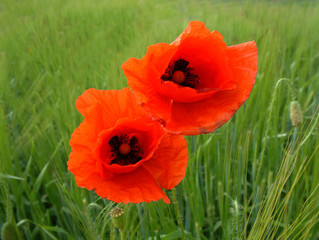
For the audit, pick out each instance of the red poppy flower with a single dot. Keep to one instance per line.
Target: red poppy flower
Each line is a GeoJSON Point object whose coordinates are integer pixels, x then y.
{"type": "Point", "coordinates": [195, 84]}
{"type": "Point", "coordinates": [121, 153]}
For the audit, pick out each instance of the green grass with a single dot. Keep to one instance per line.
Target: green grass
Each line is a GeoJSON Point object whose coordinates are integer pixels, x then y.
{"type": "Point", "coordinates": [51, 51]}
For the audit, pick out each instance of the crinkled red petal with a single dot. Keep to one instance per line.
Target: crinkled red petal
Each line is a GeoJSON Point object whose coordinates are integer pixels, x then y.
{"type": "Point", "coordinates": [169, 162]}
{"type": "Point", "coordinates": [207, 115]}
{"type": "Point", "coordinates": [114, 112]}
{"type": "Point", "coordinates": [133, 187]}
{"type": "Point", "coordinates": [226, 78]}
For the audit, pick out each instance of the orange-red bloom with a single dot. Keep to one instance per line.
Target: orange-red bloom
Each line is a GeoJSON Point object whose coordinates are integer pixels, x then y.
{"type": "Point", "coordinates": [195, 84]}
{"type": "Point", "coordinates": [122, 154]}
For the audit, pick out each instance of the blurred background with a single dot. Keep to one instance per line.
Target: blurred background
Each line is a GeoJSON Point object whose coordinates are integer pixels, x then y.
{"type": "Point", "coordinates": [254, 178]}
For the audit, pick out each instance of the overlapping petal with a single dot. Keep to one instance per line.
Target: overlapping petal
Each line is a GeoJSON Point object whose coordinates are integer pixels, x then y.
{"type": "Point", "coordinates": [213, 112]}
{"type": "Point", "coordinates": [226, 76]}
{"type": "Point", "coordinates": [169, 171]}
{"type": "Point", "coordinates": [116, 113]}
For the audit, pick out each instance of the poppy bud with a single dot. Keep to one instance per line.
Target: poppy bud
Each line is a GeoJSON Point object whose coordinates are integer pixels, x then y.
{"type": "Point", "coordinates": [9, 231]}
{"type": "Point", "coordinates": [117, 216]}
{"type": "Point", "coordinates": [295, 113]}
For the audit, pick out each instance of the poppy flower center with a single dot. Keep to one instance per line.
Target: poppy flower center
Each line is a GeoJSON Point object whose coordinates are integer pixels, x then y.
{"type": "Point", "coordinates": [178, 77]}
{"type": "Point", "coordinates": [181, 73]}
{"type": "Point", "coordinates": [125, 150]}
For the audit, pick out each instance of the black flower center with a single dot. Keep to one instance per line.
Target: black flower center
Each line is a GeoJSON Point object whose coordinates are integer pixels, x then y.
{"type": "Point", "coordinates": [180, 73]}
{"type": "Point", "coordinates": [125, 150]}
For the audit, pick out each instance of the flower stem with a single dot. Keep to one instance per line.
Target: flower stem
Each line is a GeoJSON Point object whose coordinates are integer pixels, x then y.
{"type": "Point", "coordinates": [122, 234]}
{"type": "Point", "coordinates": [179, 219]}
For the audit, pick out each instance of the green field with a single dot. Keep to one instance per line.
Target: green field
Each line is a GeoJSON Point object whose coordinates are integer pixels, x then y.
{"type": "Point", "coordinates": [256, 177]}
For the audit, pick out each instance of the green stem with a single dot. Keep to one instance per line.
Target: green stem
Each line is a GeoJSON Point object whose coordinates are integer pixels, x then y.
{"type": "Point", "coordinates": [179, 219]}
{"type": "Point", "coordinates": [311, 130]}
{"type": "Point", "coordinates": [112, 231]}
{"type": "Point", "coordinates": [8, 204]}
{"type": "Point", "coordinates": [122, 234]}
{"type": "Point", "coordinates": [268, 122]}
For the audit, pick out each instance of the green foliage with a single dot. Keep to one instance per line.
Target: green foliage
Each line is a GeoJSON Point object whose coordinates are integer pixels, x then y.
{"type": "Point", "coordinates": [9, 231]}
{"type": "Point", "coordinates": [51, 51]}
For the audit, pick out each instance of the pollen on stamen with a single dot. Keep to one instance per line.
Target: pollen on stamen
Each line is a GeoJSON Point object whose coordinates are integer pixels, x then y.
{"type": "Point", "coordinates": [125, 149]}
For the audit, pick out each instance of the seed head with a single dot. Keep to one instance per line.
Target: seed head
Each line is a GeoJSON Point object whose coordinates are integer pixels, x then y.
{"type": "Point", "coordinates": [117, 216]}
{"type": "Point", "coordinates": [295, 113]}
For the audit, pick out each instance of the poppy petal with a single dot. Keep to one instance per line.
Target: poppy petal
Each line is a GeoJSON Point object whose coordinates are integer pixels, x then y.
{"type": "Point", "coordinates": [138, 71]}
{"type": "Point", "coordinates": [135, 187]}
{"type": "Point", "coordinates": [207, 115]}
{"type": "Point", "coordinates": [82, 165]}
{"type": "Point", "coordinates": [196, 28]}
{"type": "Point", "coordinates": [113, 119]}
{"type": "Point", "coordinates": [148, 133]}
{"type": "Point", "coordinates": [84, 136]}
{"type": "Point", "coordinates": [217, 80]}
{"type": "Point", "coordinates": [168, 165]}
{"type": "Point", "coordinates": [104, 108]}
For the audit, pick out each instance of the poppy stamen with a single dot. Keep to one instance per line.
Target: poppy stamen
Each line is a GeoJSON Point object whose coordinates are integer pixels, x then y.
{"type": "Point", "coordinates": [125, 150]}
{"type": "Point", "coordinates": [180, 73]}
